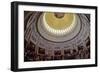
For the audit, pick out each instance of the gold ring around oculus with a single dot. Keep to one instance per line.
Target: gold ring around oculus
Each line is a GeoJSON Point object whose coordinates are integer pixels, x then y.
{"type": "Point", "coordinates": [59, 23]}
